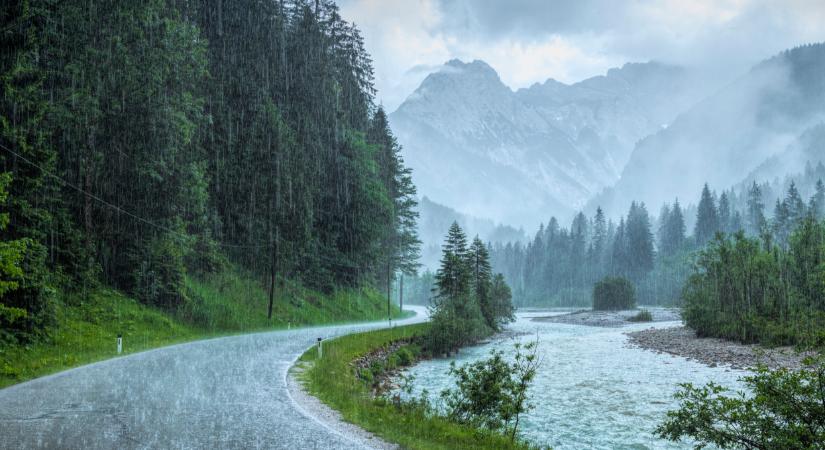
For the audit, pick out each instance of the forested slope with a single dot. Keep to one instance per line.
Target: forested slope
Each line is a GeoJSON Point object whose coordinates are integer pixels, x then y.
{"type": "Point", "coordinates": [145, 143]}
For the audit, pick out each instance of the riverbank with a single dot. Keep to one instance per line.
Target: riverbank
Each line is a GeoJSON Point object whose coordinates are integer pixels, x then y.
{"type": "Point", "coordinates": [343, 379]}
{"type": "Point", "coordinates": [226, 303]}
{"type": "Point", "coordinates": [682, 341]}
{"type": "Point", "coordinates": [610, 318]}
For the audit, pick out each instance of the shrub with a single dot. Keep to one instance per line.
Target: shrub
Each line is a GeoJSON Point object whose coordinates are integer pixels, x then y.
{"type": "Point", "coordinates": [786, 410]}
{"type": "Point", "coordinates": [613, 293]}
{"type": "Point", "coordinates": [492, 393]}
{"type": "Point", "coordinates": [642, 316]}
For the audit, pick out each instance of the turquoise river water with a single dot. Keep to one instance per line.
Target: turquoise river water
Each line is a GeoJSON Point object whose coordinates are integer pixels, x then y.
{"type": "Point", "coordinates": [593, 389]}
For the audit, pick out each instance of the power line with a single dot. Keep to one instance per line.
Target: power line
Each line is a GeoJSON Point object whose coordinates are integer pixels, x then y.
{"type": "Point", "coordinates": [327, 259]}
{"type": "Point", "coordinates": [121, 210]}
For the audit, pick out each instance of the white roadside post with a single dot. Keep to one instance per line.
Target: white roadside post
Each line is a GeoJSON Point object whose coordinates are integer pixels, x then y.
{"type": "Point", "coordinates": [320, 347]}
{"type": "Point", "coordinates": [119, 343]}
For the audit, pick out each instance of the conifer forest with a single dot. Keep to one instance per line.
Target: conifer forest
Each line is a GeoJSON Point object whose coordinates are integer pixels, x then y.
{"type": "Point", "coordinates": [413, 224]}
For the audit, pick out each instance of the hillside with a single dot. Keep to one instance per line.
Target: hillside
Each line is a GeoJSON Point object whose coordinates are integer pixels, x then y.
{"type": "Point", "coordinates": [769, 112]}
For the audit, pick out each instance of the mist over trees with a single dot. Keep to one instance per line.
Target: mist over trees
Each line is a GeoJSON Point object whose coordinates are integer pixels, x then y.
{"type": "Point", "coordinates": [150, 141]}
{"type": "Point", "coordinates": [560, 265]}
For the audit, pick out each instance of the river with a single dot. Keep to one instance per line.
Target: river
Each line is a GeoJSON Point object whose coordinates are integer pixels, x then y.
{"type": "Point", "coordinates": [593, 390]}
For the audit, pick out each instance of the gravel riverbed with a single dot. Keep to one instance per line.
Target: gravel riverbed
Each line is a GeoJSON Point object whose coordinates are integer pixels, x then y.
{"type": "Point", "coordinates": [682, 341]}
{"type": "Point", "coordinates": [609, 318]}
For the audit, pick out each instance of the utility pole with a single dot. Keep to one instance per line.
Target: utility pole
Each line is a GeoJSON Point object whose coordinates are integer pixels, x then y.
{"type": "Point", "coordinates": [401, 291]}
{"type": "Point", "coordinates": [389, 291]}
{"type": "Point", "coordinates": [271, 284]}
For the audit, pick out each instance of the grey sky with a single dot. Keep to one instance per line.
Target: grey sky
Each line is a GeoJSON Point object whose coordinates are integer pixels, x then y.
{"type": "Point", "coordinates": [528, 41]}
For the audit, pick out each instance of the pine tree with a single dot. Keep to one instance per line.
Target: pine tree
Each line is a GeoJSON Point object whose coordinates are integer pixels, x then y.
{"type": "Point", "coordinates": [795, 205]}
{"type": "Point", "coordinates": [639, 241]}
{"type": "Point", "coordinates": [707, 218]}
{"type": "Point", "coordinates": [756, 211]}
{"type": "Point", "coordinates": [481, 282]}
{"type": "Point", "coordinates": [816, 206]}
{"type": "Point", "coordinates": [673, 234]}
{"type": "Point", "coordinates": [453, 277]}
{"type": "Point", "coordinates": [781, 223]}
{"type": "Point", "coordinates": [725, 214]}
{"type": "Point", "coordinates": [598, 244]}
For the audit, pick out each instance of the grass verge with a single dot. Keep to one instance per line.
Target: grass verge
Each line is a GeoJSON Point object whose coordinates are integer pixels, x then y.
{"type": "Point", "coordinates": [333, 380]}
{"type": "Point", "coordinates": [223, 304]}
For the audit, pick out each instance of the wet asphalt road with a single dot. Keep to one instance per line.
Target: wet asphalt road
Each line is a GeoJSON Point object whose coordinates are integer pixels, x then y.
{"type": "Point", "coordinates": [221, 393]}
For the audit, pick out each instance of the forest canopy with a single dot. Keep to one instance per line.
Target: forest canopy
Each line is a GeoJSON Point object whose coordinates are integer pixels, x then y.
{"type": "Point", "coordinates": [145, 141]}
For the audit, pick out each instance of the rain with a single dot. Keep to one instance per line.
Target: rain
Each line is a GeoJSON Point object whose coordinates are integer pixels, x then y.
{"type": "Point", "coordinates": [425, 224]}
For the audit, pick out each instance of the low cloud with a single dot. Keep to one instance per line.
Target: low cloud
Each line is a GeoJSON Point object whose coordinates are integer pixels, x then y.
{"type": "Point", "coordinates": [528, 41]}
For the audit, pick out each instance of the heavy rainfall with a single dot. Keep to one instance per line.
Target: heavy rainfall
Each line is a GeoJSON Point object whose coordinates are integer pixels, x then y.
{"type": "Point", "coordinates": [457, 224]}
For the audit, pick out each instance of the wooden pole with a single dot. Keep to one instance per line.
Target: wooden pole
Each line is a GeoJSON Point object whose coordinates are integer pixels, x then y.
{"type": "Point", "coordinates": [271, 285]}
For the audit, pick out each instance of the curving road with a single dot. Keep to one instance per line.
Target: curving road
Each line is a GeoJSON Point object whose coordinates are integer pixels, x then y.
{"type": "Point", "coordinates": [220, 393]}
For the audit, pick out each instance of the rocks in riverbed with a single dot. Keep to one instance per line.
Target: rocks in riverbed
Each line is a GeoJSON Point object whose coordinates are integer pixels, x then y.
{"type": "Point", "coordinates": [610, 318]}
{"type": "Point", "coordinates": [682, 341]}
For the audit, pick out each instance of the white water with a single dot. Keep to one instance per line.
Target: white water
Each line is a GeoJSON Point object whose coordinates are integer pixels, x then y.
{"type": "Point", "coordinates": [592, 390]}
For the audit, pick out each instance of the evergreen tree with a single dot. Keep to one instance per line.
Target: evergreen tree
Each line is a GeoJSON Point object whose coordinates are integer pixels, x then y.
{"type": "Point", "coordinates": [725, 214]}
{"type": "Point", "coordinates": [482, 278]}
{"type": "Point", "coordinates": [707, 218]}
{"type": "Point", "coordinates": [755, 211]}
{"type": "Point", "coordinates": [453, 277]}
{"type": "Point", "coordinates": [816, 206]}
{"type": "Point", "coordinates": [795, 205]}
{"type": "Point", "coordinates": [781, 223]}
{"type": "Point", "coordinates": [639, 241]}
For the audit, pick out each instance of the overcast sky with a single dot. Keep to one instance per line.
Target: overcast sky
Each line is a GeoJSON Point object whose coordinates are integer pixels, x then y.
{"type": "Point", "coordinates": [528, 41]}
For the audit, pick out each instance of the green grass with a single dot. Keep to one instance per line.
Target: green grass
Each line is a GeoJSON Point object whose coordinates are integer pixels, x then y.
{"type": "Point", "coordinates": [642, 316]}
{"type": "Point", "coordinates": [333, 380]}
{"type": "Point", "coordinates": [225, 303]}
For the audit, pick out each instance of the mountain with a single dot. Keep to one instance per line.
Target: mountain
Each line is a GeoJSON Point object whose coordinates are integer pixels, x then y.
{"type": "Point", "coordinates": [520, 157]}
{"type": "Point", "coordinates": [766, 122]}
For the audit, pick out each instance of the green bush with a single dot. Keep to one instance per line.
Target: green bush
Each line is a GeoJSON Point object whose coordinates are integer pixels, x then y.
{"type": "Point", "coordinates": [642, 316]}
{"type": "Point", "coordinates": [785, 410]}
{"type": "Point", "coordinates": [613, 294]}
{"type": "Point", "coordinates": [492, 393]}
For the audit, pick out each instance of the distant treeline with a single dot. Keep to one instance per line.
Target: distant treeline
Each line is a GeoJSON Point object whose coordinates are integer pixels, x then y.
{"type": "Point", "coordinates": [144, 141]}
{"type": "Point", "coordinates": [560, 265]}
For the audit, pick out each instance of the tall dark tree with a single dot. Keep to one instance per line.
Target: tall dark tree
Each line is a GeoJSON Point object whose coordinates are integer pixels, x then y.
{"type": "Point", "coordinates": [707, 218]}
{"type": "Point", "coordinates": [478, 260]}
{"type": "Point", "coordinates": [755, 211]}
{"type": "Point", "coordinates": [816, 206]}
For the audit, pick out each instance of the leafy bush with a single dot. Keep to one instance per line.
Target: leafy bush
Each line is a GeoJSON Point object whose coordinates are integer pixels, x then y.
{"type": "Point", "coordinates": [785, 411]}
{"type": "Point", "coordinates": [492, 393]}
{"type": "Point", "coordinates": [642, 316]}
{"type": "Point", "coordinates": [613, 293]}
{"type": "Point", "coordinates": [753, 291]}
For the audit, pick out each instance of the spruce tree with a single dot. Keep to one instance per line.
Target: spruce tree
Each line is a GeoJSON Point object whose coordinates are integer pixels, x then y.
{"type": "Point", "coordinates": [755, 211]}
{"type": "Point", "coordinates": [707, 218]}
{"type": "Point", "coordinates": [725, 213]}
{"type": "Point", "coordinates": [478, 260]}
{"type": "Point", "coordinates": [453, 277]}
{"type": "Point", "coordinates": [817, 204]}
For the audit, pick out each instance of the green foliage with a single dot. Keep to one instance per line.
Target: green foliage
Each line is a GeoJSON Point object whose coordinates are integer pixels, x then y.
{"type": "Point", "coordinates": [466, 306]}
{"type": "Point", "coordinates": [409, 424]}
{"type": "Point", "coordinates": [224, 302]}
{"type": "Point", "coordinates": [613, 293]}
{"type": "Point", "coordinates": [758, 292]}
{"type": "Point", "coordinates": [26, 299]}
{"type": "Point", "coordinates": [783, 409]}
{"type": "Point", "coordinates": [642, 316]}
{"type": "Point", "coordinates": [492, 393]}
{"type": "Point", "coordinates": [152, 142]}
